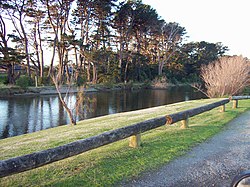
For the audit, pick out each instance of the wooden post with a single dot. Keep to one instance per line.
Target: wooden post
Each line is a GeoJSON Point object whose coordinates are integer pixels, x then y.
{"type": "Point", "coordinates": [223, 108]}
{"type": "Point", "coordinates": [235, 103]}
{"type": "Point", "coordinates": [184, 123]}
{"type": "Point", "coordinates": [135, 141]}
{"type": "Point", "coordinates": [36, 82]}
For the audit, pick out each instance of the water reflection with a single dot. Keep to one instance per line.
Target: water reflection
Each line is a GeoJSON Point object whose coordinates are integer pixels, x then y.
{"type": "Point", "coordinates": [20, 115]}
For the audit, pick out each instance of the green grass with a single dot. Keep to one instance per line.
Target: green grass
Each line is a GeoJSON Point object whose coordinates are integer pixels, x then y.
{"type": "Point", "coordinates": [111, 164]}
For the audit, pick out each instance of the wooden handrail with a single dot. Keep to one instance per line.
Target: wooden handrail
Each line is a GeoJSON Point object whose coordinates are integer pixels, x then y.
{"type": "Point", "coordinates": [236, 98]}
{"type": "Point", "coordinates": [239, 97]}
{"type": "Point", "coordinates": [37, 159]}
{"type": "Point", "coordinates": [173, 118]}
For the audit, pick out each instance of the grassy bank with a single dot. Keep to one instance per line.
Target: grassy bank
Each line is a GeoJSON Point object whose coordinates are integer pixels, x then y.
{"type": "Point", "coordinates": [7, 91]}
{"type": "Point", "coordinates": [109, 165]}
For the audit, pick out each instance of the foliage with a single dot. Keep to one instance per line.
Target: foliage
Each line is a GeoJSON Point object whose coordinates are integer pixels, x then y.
{"type": "Point", "coordinates": [81, 81]}
{"type": "Point", "coordinates": [246, 90]}
{"type": "Point", "coordinates": [160, 82]}
{"type": "Point", "coordinates": [3, 79]}
{"type": "Point", "coordinates": [42, 81]}
{"type": "Point", "coordinates": [107, 40]}
{"type": "Point", "coordinates": [192, 56]}
{"type": "Point", "coordinates": [24, 81]}
{"type": "Point", "coordinates": [226, 77]}
{"type": "Point", "coordinates": [109, 165]}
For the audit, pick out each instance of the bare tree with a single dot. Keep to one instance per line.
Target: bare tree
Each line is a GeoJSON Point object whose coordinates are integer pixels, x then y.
{"type": "Point", "coordinates": [73, 108]}
{"type": "Point", "coordinates": [171, 34]}
{"type": "Point", "coordinates": [226, 76]}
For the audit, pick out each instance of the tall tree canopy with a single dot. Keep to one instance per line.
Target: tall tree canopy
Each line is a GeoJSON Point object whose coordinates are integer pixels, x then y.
{"type": "Point", "coordinates": [96, 40]}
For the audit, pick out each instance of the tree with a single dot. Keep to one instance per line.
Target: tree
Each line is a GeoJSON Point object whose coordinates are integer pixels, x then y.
{"type": "Point", "coordinates": [169, 38]}
{"type": "Point", "coordinates": [9, 56]}
{"type": "Point", "coordinates": [145, 18]}
{"type": "Point", "coordinates": [58, 12]}
{"type": "Point", "coordinates": [17, 12]}
{"type": "Point", "coordinates": [36, 20]}
{"type": "Point", "coordinates": [102, 18]}
{"type": "Point", "coordinates": [123, 23]}
{"type": "Point", "coordinates": [226, 76]}
{"type": "Point", "coordinates": [195, 54]}
{"type": "Point", "coordinates": [83, 16]}
{"type": "Point", "coordinates": [72, 108]}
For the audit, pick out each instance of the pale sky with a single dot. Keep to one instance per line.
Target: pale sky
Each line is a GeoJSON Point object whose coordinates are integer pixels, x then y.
{"type": "Point", "coordinates": [226, 21]}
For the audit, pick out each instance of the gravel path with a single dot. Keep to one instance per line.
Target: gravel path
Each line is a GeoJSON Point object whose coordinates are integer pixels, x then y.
{"type": "Point", "coordinates": [213, 163]}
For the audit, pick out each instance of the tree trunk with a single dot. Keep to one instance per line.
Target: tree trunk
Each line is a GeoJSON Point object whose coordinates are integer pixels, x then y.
{"type": "Point", "coordinates": [41, 52]}
{"type": "Point", "coordinates": [94, 80]}
{"type": "Point", "coordinates": [26, 47]}
{"type": "Point", "coordinates": [53, 57]}
{"type": "Point", "coordinates": [10, 72]}
{"type": "Point", "coordinates": [37, 49]}
{"type": "Point", "coordinates": [160, 67]}
{"type": "Point", "coordinates": [69, 112]}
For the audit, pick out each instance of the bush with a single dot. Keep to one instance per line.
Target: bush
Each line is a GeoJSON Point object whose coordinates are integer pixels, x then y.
{"type": "Point", "coordinates": [160, 82]}
{"type": "Point", "coordinates": [3, 79]}
{"type": "Point", "coordinates": [23, 82]}
{"type": "Point", "coordinates": [226, 76]}
{"type": "Point", "coordinates": [81, 80]}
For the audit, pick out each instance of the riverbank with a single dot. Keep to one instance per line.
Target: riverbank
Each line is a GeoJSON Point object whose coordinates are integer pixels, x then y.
{"type": "Point", "coordinates": [45, 90]}
{"type": "Point", "coordinates": [111, 164]}
{"type": "Point", "coordinates": [10, 91]}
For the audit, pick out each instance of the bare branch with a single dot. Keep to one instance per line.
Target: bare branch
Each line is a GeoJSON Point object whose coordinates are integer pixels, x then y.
{"type": "Point", "coordinates": [226, 76]}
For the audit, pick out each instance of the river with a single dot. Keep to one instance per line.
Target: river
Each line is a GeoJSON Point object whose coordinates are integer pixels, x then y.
{"type": "Point", "coordinates": [27, 114]}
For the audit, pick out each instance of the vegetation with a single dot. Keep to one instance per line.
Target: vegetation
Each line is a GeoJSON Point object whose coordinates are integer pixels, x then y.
{"type": "Point", "coordinates": [3, 79]}
{"type": "Point", "coordinates": [23, 82]}
{"type": "Point", "coordinates": [160, 82]}
{"type": "Point", "coordinates": [226, 76]}
{"type": "Point", "coordinates": [111, 164]}
{"type": "Point", "coordinates": [246, 91]}
{"type": "Point", "coordinates": [97, 41]}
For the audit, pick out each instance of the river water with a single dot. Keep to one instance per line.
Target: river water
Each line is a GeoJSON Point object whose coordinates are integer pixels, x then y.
{"type": "Point", "coordinates": [26, 114]}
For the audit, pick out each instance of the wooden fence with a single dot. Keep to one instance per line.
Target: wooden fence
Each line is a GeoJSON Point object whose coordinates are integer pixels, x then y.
{"type": "Point", "coordinates": [37, 159]}
{"type": "Point", "coordinates": [236, 98]}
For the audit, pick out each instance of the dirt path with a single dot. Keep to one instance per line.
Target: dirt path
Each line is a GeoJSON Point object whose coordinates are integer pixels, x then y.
{"type": "Point", "coordinates": [213, 163]}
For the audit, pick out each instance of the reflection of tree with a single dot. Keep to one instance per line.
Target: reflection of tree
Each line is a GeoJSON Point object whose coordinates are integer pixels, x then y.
{"type": "Point", "coordinates": [35, 110]}
{"type": "Point", "coordinates": [3, 119]}
{"type": "Point", "coordinates": [41, 112]}
{"type": "Point", "coordinates": [124, 101]}
{"type": "Point", "coordinates": [102, 104]}
{"type": "Point", "coordinates": [18, 116]}
{"type": "Point", "coordinates": [51, 112]}
{"type": "Point", "coordinates": [5, 132]}
{"type": "Point", "coordinates": [23, 107]}
{"type": "Point", "coordinates": [60, 113]}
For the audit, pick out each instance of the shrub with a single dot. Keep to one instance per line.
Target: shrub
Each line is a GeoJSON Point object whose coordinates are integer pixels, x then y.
{"type": "Point", "coordinates": [3, 79]}
{"type": "Point", "coordinates": [23, 81]}
{"type": "Point", "coordinates": [160, 82]}
{"type": "Point", "coordinates": [226, 76]}
{"type": "Point", "coordinates": [81, 80]}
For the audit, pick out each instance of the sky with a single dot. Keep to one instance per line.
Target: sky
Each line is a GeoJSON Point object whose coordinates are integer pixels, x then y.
{"type": "Point", "coordinates": [226, 21]}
